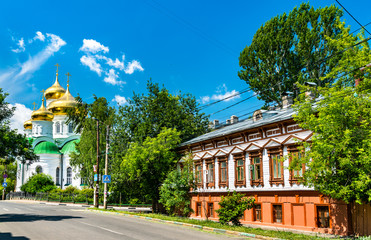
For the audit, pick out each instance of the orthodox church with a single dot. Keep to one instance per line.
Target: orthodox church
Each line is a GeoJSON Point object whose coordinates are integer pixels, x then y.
{"type": "Point", "coordinates": [53, 138]}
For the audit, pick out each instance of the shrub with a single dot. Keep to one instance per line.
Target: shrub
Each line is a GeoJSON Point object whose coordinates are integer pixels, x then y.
{"type": "Point", "coordinates": [232, 208]}
{"type": "Point", "coordinates": [39, 183]}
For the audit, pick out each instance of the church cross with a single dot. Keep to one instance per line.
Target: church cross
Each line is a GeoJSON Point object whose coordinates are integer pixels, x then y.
{"type": "Point", "coordinates": [57, 65]}
{"type": "Point", "coordinates": [68, 79]}
{"type": "Point", "coordinates": [34, 106]}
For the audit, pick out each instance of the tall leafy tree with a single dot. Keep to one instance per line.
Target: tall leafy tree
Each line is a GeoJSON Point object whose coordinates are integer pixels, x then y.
{"type": "Point", "coordinates": [84, 118]}
{"type": "Point", "coordinates": [338, 157]}
{"type": "Point", "coordinates": [291, 48]}
{"type": "Point", "coordinates": [148, 163]}
{"type": "Point", "coordinates": [145, 116]}
{"type": "Point", "coordinates": [12, 144]}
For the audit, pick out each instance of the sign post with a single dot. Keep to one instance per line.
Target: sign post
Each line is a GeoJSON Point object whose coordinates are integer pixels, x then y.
{"type": "Point", "coordinates": [106, 176]}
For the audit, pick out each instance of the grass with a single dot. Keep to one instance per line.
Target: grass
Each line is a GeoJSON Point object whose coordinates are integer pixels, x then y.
{"type": "Point", "coordinates": [212, 224]}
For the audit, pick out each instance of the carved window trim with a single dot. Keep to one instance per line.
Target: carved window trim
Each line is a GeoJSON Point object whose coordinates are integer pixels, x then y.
{"type": "Point", "coordinates": [220, 161]}
{"type": "Point", "coordinates": [292, 179]}
{"type": "Point", "coordinates": [210, 174]}
{"type": "Point", "coordinates": [278, 180]}
{"type": "Point", "coordinates": [252, 156]}
{"type": "Point", "coordinates": [199, 174]}
{"type": "Point", "coordinates": [236, 158]}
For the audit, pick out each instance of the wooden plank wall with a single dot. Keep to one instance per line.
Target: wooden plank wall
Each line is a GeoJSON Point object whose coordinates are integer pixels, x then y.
{"type": "Point", "coordinates": [361, 215]}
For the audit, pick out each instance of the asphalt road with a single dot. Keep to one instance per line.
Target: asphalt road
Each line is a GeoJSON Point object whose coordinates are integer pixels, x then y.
{"type": "Point", "coordinates": [28, 220]}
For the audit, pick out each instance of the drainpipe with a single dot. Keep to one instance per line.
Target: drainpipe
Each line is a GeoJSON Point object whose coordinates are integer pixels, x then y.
{"type": "Point", "coordinates": [61, 178]}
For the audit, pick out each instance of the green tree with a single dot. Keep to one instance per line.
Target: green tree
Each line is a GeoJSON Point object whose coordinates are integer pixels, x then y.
{"type": "Point", "coordinates": [148, 163]}
{"type": "Point", "coordinates": [174, 192]}
{"type": "Point", "coordinates": [291, 48]}
{"type": "Point", "coordinates": [145, 115]}
{"type": "Point", "coordinates": [39, 183]}
{"type": "Point", "coordinates": [232, 207]}
{"type": "Point", "coordinates": [84, 119]}
{"type": "Point", "coordinates": [12, 144]}
{"type": "Point", "coordinates": [338, 157]}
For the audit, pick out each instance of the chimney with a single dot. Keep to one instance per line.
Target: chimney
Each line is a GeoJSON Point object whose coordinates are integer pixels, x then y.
{"type": "Point", "coordinates": [286, 101]}
{"type": "Point", "coordinates": [309, 93]}
{"type": "Point", "coordinates": [234, 119]}
{"type": "Point", "coordinates": [228, 121]}
{"type": "Point", "coordinates": [216, 123]}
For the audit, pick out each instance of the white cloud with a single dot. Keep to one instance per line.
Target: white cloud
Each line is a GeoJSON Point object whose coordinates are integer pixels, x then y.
{"type": "Point", "coordinates": [230, 95]}
{"type": "Point", "coordinates": [14, 78]}
{"type": "Point", "coordinates": [21, 114]}
{"type": "Point", "coordinates": [120, 100]}
{"type": "Point", "coordinates": [111, 78]}
{"type": "Point", "coordinates": [92, 46]}
{"type": "Point", "coordinates": [116, 64]}
{"type": "Point", "coordinates": [21, 46]}
{"type": "Point", "coordinates": [35, 62]}
{"type": "Point", "coordinates": [91, 63]}
{"type": "Point", "coordinates": [39, 36]}
{"type": "Point", "coordinates": [132, 66]}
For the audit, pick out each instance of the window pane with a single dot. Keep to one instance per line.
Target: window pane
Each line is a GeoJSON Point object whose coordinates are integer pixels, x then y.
{"type": "Point", "coordinates": [277, 213]}
{"type": "Point", "coordinates": [223, 164]}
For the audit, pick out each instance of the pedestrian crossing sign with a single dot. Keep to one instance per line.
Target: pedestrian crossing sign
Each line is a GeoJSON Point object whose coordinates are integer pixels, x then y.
{"type": "Point", "coordinates": [106, 179]}
{"type": "Point", "coordinates": [5, 184]}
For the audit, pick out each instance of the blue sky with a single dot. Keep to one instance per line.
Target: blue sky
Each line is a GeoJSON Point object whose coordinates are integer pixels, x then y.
{"type": "Point", "coordinates": [112, 48]}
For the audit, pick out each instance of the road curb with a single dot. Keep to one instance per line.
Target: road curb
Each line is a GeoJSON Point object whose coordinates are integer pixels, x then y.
{"type": "Point", "coordinates": [216, 230]}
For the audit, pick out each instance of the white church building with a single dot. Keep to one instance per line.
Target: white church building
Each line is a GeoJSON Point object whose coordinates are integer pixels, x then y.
{"type": "Point", "coordinates": [53, 139]}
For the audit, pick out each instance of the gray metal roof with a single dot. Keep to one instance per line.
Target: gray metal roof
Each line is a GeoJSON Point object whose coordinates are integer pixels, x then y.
{"type": "Point", "coordinates": [268, 117]}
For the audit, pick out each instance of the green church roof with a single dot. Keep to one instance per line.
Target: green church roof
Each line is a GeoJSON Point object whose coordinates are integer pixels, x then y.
{"type": "Point", "coordinates": [69, 147]}
{"type": "Point", "coordinates": [46, 148]}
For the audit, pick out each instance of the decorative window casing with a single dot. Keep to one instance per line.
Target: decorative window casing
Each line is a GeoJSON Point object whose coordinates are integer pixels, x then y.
{"type": "Point", "coordinates": [276, 166]}
{"type": "Point", "coordinates": [239, 162]}
{"type": "Point", "coordinates": [198, 173]}
{"type": "Point", "coordinates": [273, 132]}
{"type": "Point", "coordinates": [323, 216]}
{"type": "Point", "coordinates": [223, 171]}
{"type": "Point", "coordinates": [254, 136]}
{"type": "Point", "coordinates": [210, 210]}
{"type": "Point", "coordinates": [277, 213]}
{"type": "Point", "coordinates": [69, 176]}
{"type": "Point", "coordinates": [57, 176]}
{"type": "Point", "coordinates": [256, 168]}
{"type": "Point", "coordinates": [293, 128]}
{"type": "Point", "coordinates": [296, 174]}
{"type": "Point", "coordinates": [210, 173]}
{"type": "Point", "coordinates": [257, 212]}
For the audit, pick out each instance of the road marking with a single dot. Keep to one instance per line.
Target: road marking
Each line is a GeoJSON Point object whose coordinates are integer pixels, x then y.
{"type": "Point", "coordinates": [109, 230]}
{"type": "Point", "coordinates": [6, 209]}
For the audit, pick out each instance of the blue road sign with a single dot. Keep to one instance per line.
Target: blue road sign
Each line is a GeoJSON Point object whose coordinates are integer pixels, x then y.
{"type": "Point", "coordinates": [106, 179]}
{"type": "Point", "coordinates": [5, 184]}
{"type": "Point", "coordinates": [95, 177]}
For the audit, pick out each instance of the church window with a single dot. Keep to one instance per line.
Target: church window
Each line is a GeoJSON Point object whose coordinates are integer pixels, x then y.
{"type": "Point", "coordinates": [69, 175]}
{"type": "Point", "coordinates": [39, 169]}
{"type": "Point", "coordinates": [57, 127]}
{"type": "Point", "coordinates": [57, 180]}
{"type": "Point", "coordinates": [70, 128]}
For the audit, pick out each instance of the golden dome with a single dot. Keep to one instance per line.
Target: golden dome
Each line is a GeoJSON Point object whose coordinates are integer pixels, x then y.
{"type": "Point", "coordinates": [55, 91]}
{"type": "Point", "coordinates": [27, 124]}
{"type": "Point", "coordinates": [59, 106]}
{"type": "Point", "coordinates": [42, 114]}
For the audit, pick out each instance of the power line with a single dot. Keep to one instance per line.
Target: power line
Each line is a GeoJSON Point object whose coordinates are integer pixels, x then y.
{"type": "Point", "coordinates": [228, 97]}
{"type": "Point", "coordinates": [353, 17]}
{"type": "Point", "coordinates": [243, 100]}
{"type": "Point", "coordinates": [191, 27]}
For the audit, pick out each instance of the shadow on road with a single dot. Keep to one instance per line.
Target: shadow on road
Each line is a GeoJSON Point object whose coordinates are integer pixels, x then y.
{"type": "Point", "coordinates": [31, 218]}
{"type": "Point", "coordinates": [8, 236]}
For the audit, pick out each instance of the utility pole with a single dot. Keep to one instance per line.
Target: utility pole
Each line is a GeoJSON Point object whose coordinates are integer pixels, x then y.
{"type": "Point", "coordinates": [106, 168]}
{"type": "Point", "coordinates": [96, 195]}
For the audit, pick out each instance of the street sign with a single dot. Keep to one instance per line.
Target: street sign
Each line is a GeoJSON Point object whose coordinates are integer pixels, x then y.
{"type": "Point", "coordinates": [5, 175]}
{"type": "Point", "coordinates": [106, 179]}
{"type": "Point", "coordinates": [95, 177]}
{"type": "Point", "coordinates": [95, 168]}
{"type": "Point", "coordinates": [5, 184]}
